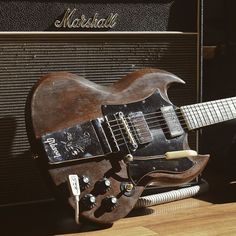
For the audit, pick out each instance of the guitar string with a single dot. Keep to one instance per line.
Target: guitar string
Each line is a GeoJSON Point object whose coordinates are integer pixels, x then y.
{"type": "Point", "coordinates": [147, 120]}
{"type": "Point", "coordinates": [164, 129]}
{"type": "Point", "coordinates": [123, 140]}
{"type": "Point", "coordinates": [163, 126]}
{"type": "Point", "coordinates": [155, 126]}
{"type": "Point", "coordinates": [178, 111]}
{"type": "Point", "coordinates": [214, 116]}
{"type": "Point", "coordinates": [194, 107]}
{"type": "Point", "coordinates": [151, 127]}
{"type": "Point", "coordinates": [153, 120]}
{"type": "Point", "coordinates": [200, 122]}
{"type": "Point", "coordinates": [189, 110]}
{"type": "Point", "coordinates": [199, 105]}
{"type": "Point", "coordinates": [143, 135]}
{"type": "Point", "coordinates": [199, 113]}
{"type": "Point", "coordinates": [140, 123]}
{"type": "Point", "coordinates": [133, 132]}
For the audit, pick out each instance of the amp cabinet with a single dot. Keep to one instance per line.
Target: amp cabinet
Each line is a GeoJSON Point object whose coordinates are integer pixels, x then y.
{"type": "Point", "coordinates": [100, 40]}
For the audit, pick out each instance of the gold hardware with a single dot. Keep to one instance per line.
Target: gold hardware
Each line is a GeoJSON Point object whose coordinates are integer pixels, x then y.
{"type": "Point", "coordinates": [129, 187]}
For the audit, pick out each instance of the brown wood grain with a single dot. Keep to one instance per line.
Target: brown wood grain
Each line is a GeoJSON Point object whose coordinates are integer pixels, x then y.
{"type": "Point", "coordinates": [60, 100]}
{"type": "Point", "coordinates": [181, 218]}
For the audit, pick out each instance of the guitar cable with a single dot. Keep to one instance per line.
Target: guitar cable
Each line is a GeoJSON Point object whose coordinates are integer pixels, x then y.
{"type": "Point", "coordinates": [173, 195]}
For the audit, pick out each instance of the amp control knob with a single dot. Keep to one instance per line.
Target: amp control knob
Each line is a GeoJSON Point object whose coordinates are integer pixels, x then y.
{"type": "Point", "coordinates": [84, 182]}
{"type": "Point", "coordinates": [111, 203]}
{"type": "Point", "coordinates": [89, 201]}
{"type": "Point", "coordinates": [105, 185]}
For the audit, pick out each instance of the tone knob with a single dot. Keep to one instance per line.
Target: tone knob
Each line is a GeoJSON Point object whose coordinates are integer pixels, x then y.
{"type": "Point", "coordinates": [84, 182]}
{"type": "Point", "coordinates": [89, 201]}
{"type": "Point", "coordinates": [111, 203]}
{"type": "Point", "coordinates": [105, 185]}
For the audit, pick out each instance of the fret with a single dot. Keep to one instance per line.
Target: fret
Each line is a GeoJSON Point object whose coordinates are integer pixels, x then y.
{"type": "Point", "coordinates": [203, 117]}
{"type": "Point", "coordinates": [226, 117]}
{"type": "Point", "coordinates": [193, 124]}
{"type": "Point", "coordinates": [232, 108]}
{"type": "Point", "coordinates": [193, 117]}
{"type": "Point", "coordinates": [230, 114]}
{"type": "Point", "coordinates": [196, 113]}
{"type": "Point", "coordinates": [200, 115]}
{"type": "Point", "coordinates": [220, 111]}
{"type": "Point", "coordinates": [217, 111]}
{"type": "Point", "coordinates": [213, 112]}
{"type": "Point", "coordinates": [208, 113]}
{"type": "Point", "coordinates": [233, 100]}
{"type": "Point", "coordinates": [187, 117]}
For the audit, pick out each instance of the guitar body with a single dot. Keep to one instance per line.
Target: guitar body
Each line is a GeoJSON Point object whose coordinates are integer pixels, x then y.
{"type": "Point", "coordinates": [62, 100]}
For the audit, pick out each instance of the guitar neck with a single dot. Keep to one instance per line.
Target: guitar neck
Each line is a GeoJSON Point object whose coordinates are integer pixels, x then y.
{"type": "Point", "coordinates": [208, 113]}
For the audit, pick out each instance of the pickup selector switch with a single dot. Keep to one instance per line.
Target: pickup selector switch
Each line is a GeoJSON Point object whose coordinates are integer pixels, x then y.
{"type": "Point", "coordinates": [89, 201]}
{"type": "Point", "coordinates": [110, 203]}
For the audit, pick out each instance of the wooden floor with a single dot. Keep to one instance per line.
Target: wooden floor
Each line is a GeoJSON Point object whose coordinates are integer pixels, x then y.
{"type": "Point", "coordinates": [186, 217]}
{"type": "Point", "coordinates": [213, 213]}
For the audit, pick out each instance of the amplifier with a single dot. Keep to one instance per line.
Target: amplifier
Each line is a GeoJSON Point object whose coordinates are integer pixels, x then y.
{"type": "Point", "coordinates": [100, 40]}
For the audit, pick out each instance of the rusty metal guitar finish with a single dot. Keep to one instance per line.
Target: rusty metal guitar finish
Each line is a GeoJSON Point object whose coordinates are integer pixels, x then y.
{"type": "Point", "coordinates": [114, 138]}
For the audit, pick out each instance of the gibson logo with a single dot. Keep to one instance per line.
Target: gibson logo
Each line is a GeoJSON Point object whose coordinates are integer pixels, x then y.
{"type": "Point", "coordinates": [69, 21]}
{"type": "Point", "coordinates": [52, 143]}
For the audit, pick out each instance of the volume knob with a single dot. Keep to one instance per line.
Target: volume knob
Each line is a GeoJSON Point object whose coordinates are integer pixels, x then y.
{"type": "Point", "coordinates": [89, 201]}
{"type": "Point", "coordinates": [111, 203]}
{"type": "Point", "coordinates": [105, 185]}
{"type": "Point", "coordinates": [84, 182]}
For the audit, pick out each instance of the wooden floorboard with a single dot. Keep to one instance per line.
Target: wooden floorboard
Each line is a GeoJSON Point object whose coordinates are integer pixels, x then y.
{"type": "Point", "coordinates": [210, 214]}
{"type": "Point", "coordinates": [186, 217]}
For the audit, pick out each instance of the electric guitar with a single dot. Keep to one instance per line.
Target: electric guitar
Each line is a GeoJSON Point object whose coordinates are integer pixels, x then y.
{"type": "Point", "coordinates": [116, 139]}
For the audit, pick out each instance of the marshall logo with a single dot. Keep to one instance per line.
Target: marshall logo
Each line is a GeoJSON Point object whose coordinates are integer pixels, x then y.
{"type": "Point", "coordinates": [70, 21]}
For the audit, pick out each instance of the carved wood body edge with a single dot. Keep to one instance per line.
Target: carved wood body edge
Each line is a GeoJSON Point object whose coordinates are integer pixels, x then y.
{"type": "Point", "coordinates": [61, 100]}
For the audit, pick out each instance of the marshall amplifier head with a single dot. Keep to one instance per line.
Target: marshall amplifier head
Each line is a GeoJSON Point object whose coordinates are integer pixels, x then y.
{"type": "Point", "coordinates": [100, 40]}
{"type": "Point", "coordinates": [111, 15]}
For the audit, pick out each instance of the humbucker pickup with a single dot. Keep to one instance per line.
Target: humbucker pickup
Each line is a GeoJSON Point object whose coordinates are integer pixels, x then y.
{"type": "Point", "coordinates": [142, 131]}
{"type": "Point", "coordinates": [172, 121]}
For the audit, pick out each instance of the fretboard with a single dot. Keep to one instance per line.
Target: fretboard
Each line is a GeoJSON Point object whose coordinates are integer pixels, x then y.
{"type": "Point", "coordinates": [209, 113]}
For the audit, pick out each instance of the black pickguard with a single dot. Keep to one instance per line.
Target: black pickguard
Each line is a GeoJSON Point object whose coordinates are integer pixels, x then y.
{"type": "Point", "coordinates": [160, 144]}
